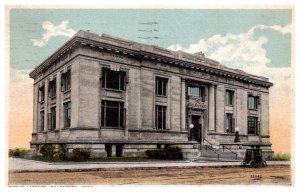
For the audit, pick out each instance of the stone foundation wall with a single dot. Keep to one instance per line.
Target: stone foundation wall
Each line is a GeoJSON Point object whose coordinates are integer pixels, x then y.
{"type": "Point", "coordinates": [190, 150]}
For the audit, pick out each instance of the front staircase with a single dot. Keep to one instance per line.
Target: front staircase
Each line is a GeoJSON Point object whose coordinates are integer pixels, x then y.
{"type": "Point", "coordinates": [210, 152]}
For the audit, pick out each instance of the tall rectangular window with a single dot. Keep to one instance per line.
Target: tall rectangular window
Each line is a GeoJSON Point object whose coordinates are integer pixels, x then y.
{"type": "Point", "coordinates": [42, 120]}
{"type": "Point", "coordinates": [229, 123]}
{"type": "Point", "coordinates": [42, 94]}
{"type": "Point", "coordinates": [252, 125]}
{"type": "Point", "coordinates": [113, 79]}
{"type": "Point", "coordinates": [52, 119]}
{"type": "Point", "coordinates": [160, 117]}
{"type": "Point", "coordinates": [229, 97]}
{"type": "Point", "coordinates": [113, 114]}
{"type": "Point", "coordinates": [252, 102]}
{"type": "Point", "coordinates": [66, 81]}
{"type": "Point", "coordinates": [196, 91]}
{"type": "Point", "coordinates": [161, 86]}
{"type": "Point", "coordinates": [52, 88]}
{"type": "Point", "coordinates": [67, 114]}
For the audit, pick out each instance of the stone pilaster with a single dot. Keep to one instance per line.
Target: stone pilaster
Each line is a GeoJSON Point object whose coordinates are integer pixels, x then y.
{"type": "Point", "coordinates": [241, 111]}
{"type": "Point", "coordinates": [58, 101]}
{"type": "Point", "coordinates": [211, 108]}
{"type": "Point", "coordinates": [220, 105]}
{"type": "Point", "coordinates": [46, 105]}
{"type": "Point", "coordinates": [169, 106]}
{"type": "Point", "coordinates": [183, 106]}
{"type": "Point", "coordinates": [264, 118]}
{"type": "Point", "coordinates": [35, 108]}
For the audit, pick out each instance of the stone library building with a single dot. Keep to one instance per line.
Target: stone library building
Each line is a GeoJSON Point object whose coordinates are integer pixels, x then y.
{"type": "Point", "coordinates": [119, 98]}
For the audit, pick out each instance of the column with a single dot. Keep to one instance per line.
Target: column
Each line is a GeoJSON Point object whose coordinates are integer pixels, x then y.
{"type": "Point", "coordinates": [220, 105]}
{"type": "Point", "coordinates": [264, 118]}
{"type": "Point", "coordinates": [46, 106]}
{"type": "Point", "coordinates": [183, 105]}
{"type": "Point", "coordinates": [113, 150]}
{"type": "Point", "coordinates": [58, 100]}
{"type": "Point", "coordinates": [35, 108]}
{"type": "Point", "coordinates": [211, 108]}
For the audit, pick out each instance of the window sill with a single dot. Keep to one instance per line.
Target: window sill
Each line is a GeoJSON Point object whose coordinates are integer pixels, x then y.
{"type": "Point", "coordinates": [66, 91]}
{"type": "Point", "coordinates": [162, 96]}
{"type": "Point", "coordinates": [114, 90]}
{"type": "Point", "coordinates": [252, 109]}
{"type": "Point", "coordinates": [231, 133]}
{"type": "Point", "coordinates": [53, 97]}
{"type": "Point", "coordinates": [121, 128]}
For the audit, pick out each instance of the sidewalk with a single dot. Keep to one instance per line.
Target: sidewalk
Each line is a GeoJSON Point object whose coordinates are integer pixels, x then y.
{"type": "Point", "coordinates": [24, 165]}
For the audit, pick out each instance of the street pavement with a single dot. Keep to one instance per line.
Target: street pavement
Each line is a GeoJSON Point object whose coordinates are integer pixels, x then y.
{"type": "Point", "coordinates": [25, 165]}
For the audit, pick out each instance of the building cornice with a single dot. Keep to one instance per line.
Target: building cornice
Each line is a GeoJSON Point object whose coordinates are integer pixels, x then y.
{"type": "Point", "coordinates": [150, 53]}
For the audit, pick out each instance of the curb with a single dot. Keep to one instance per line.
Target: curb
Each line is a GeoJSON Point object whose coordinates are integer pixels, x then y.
{"type": "Point", "coordinates": [137, 168]}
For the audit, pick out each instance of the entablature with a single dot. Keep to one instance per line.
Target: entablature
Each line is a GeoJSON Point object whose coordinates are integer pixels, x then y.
{"type": "Point", "coordinates": [150, 53]}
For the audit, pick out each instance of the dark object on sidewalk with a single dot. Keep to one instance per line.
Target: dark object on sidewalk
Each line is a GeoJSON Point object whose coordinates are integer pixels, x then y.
{"type": "Point", "coordinates": [253, 158]}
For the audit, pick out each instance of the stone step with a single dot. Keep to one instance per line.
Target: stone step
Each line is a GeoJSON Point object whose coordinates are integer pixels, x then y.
{"type": "Point", "coordinates": [215, 153]}
{"type": "Point", "coordinates": [211, 159]}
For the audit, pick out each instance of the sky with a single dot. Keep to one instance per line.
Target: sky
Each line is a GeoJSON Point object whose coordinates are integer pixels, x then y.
{"type": "Point", "coordinates": [258, 41]}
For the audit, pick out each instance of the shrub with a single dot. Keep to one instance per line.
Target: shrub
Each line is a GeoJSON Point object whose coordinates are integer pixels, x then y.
{"type": "Point", "coordinates": [86, 154]}
{"type": "Point", "coordinates": [10, 152]}
{"type": "Point", "coordinates": [168, 153]}
{"type": "Point", "coordinates": [156, 153]}
{"type": "Point", "coordinates": [281, 156]}
{"type": "Point", "coordinates": [63, 152]}
{"type": "Point", "coordinates": [48, 151]}
{"type": "Point", "coordinates": [17, 152]}
{"type": "Point", "coordinates": [80, 154]}
{"type": "Point", "coordinates": [173, 152]}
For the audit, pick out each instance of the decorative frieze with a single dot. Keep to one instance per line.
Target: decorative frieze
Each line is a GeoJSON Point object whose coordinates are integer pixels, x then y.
{"type": "Point", "coordinates": [197, 103]}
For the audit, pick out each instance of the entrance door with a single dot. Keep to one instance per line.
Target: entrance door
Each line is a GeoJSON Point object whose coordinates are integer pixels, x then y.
{"type": "Point", "coordinates": [197, 130]}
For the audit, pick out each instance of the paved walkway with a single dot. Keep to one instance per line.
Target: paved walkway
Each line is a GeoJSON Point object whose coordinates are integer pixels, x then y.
{"type": "Point", "coordinates": [24, 165]}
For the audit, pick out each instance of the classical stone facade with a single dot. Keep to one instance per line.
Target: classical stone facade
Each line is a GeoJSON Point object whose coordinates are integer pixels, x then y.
{"type": "Point", "coordinates": [120, 98]}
